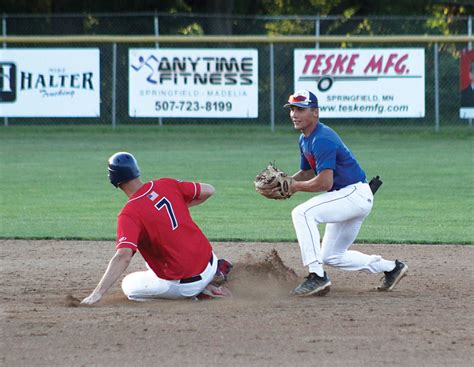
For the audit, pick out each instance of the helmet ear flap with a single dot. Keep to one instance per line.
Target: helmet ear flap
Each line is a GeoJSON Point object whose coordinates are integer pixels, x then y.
{"type": "Point", "coordinates": [113, 177]}
{"type": "Point", "coordinates": [122, 167]}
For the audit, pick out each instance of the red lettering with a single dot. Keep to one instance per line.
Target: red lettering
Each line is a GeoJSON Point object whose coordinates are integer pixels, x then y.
{"type": "Point", "coordinates": [339, 64]}
{"type": "Point", "coordinates": [317, 64]}
{"type": "Point", "coordinates": [328, 64]}
{"type": "Point", "coordinates": [399, 66]}
{"type": "Point", "coordinates": [308, 59]}
{"type": "Point", "coordinates": [374, 65]}
{"type": "Point", "coordinates": [323, 64]}
{"type": "Point", "coordinates": [351, 64]}
{"type": "Point", "coordinates": [389, 63]}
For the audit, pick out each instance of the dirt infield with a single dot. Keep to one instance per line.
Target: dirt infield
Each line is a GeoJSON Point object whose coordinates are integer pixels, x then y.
{"type": "Point", "coordinates": [428, 320]}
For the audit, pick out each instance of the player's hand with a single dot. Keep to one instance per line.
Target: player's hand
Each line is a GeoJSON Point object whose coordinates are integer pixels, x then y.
{"type": "Point", "coordinates": [273, 183]}
{"type": "Point", "coordinates": [93, 298]}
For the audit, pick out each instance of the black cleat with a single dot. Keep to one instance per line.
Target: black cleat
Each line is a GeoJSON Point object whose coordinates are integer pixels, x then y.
{"type": "Point", "coordinates": [313, 285]}
{"type": "Point", "coordinates": [391, 278]}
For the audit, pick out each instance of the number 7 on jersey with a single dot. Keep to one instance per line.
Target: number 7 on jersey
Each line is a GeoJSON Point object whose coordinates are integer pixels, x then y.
{"type": "Point", "coordinates": [164, 202]}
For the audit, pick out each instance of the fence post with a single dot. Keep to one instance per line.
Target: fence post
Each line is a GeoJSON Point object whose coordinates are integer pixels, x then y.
{"type": "Point", "coordinates": [4, 33]}
{"type": "Point", "coordinates": [469, 31]}
{"type": "Point", "coordinates": [272, 90]}
{"type": "Point", "coordinates": [436, 86]}
{"type": "Point", "coordinates": [317, 29]}
{"type": "Point", "coordinates": [114, 83]}
{"type": "Point", "coordinates": [156, 24]}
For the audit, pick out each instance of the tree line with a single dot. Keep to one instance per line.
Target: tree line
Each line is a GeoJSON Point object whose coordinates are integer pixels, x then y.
{"type": "Point", "coordinates": [247, 7]}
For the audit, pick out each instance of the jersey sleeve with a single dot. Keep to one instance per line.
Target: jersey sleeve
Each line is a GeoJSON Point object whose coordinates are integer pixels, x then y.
{"type": "Point", "coordinates": [128, 233]}
{"type": "Point", "coordinates": [190, 190]}
{"type": "Point", "coordinates": [304, 164]}
{"type": "Point", "coordinates": [325, 155]}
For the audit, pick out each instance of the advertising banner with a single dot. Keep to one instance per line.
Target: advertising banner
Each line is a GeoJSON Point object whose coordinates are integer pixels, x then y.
{"type": "Point", "coordinates": [467, 84]}
{"type": "Point", "coordinates": [49, 82]}
{"type": "Point", "coordinates": [363, 83]}
{"type": "Point", "coordinates": [199, 83]}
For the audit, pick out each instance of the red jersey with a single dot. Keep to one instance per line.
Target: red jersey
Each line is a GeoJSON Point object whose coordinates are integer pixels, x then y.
{"type": "Point", "coordinates": [156, 221]}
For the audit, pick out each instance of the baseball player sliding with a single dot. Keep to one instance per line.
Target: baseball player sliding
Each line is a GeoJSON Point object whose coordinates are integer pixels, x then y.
{"type": "Point", "coordinates": [156, 221]}
{"type": "Point", "coordinates": [327, 166]}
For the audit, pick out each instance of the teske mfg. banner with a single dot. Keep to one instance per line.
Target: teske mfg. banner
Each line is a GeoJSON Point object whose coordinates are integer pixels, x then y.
{"type": "Point", "coordinates": [50, 82]}
{"type": "Point", "coordinates": [369, 83]}
{"type": "Point", "coordinates": [200, 83]}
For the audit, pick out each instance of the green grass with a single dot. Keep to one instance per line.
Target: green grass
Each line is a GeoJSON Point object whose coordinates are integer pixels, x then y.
{"type": "Point", "coordinates": [54, 181]}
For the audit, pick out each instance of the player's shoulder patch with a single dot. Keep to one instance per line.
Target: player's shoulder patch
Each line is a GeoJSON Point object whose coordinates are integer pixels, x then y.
{"type": "Point", "coordinates": [152, 195]}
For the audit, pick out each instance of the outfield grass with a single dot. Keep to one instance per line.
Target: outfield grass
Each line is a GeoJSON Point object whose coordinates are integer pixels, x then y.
{"type": "Point", "coordinates": [54, 180]}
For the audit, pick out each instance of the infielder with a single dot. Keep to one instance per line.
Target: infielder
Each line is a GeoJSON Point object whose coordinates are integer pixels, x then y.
{"type": "Point", "coordinates": [328, 166]}
{"type": "Point", "coordinates": [156, 221]}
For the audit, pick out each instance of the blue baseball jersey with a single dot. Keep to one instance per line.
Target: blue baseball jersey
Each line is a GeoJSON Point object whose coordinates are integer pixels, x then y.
{"type": "Point", "coordinates": [324, 149]}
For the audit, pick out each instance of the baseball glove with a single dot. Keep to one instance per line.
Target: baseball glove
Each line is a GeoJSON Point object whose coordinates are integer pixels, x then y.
{"type": "Point", "coordinates": [273, 183]}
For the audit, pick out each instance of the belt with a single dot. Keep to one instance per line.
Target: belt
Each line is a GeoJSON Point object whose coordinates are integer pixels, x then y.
{"type": "Point", "coordinates": [196, 277]}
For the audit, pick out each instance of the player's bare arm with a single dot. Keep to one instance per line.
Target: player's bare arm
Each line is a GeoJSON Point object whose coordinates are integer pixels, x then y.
{"type": "Point", "coordinates": [304, 175]}
{"type": "Point", "coordinates": [320, 183]}
{"type": "Point", "coordinates": [206, 192]}
{"type": "Point", "coordinates": [116, 267]}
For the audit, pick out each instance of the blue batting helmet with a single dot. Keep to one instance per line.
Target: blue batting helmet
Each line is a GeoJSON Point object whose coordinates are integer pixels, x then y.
{"type": "Point", "coordinates": [123, 167]}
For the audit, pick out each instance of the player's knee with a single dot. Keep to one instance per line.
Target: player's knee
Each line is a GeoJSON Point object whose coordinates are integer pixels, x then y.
{"type": "Point", "coordinates": [128, 286]}
{"type": "Point", "coordinates": [331, 259]}
{"type": "Point", "coordinates": [302, 214]}
{"type": "Point", "coordinates": [297, 214]}
{"type": "Point", "coordinates": [132, 285]}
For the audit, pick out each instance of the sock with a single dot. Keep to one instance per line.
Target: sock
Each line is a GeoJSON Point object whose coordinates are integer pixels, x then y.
{"type": "Point", "coordinates": [316, 268]}
{"type": "Point", "coordinates": [387, 265]}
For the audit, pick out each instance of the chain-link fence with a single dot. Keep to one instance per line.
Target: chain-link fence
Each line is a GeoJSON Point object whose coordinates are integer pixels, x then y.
{"type": "Point", "coordinates": [199, 24]}
{"type": "Point", "coordinates": [275, 60]}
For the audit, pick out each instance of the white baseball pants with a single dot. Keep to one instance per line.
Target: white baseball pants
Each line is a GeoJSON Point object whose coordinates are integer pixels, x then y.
{"type": "Point", "coordinates": [144, 285]}
{"type": "Point", "coordinates": [344, 211]}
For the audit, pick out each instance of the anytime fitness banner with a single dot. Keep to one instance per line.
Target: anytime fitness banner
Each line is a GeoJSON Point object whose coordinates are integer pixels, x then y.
{"type": "Point", "coordinates": [49, 83]}
{"type": "Point", "coordinates": [354, 83]}
{"type": "Point", "coordinates": [210, 83]}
